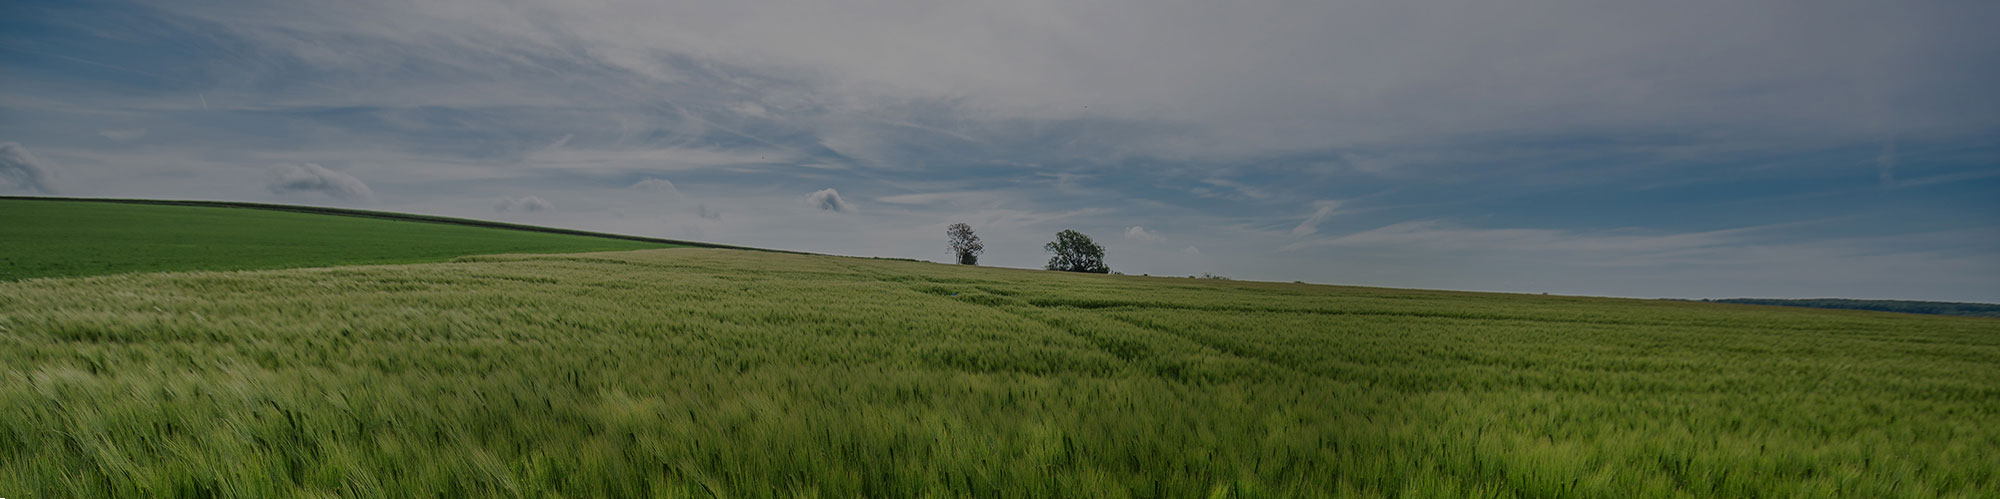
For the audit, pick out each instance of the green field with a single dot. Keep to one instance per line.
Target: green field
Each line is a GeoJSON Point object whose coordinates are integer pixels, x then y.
{"type": "Point", "coordinates": [725, 373]}
{"type": "Point", "coordinates": [53, 238]}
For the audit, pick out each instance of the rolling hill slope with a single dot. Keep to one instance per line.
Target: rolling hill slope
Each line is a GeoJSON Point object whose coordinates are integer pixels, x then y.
{"type": "Point", "coordinates": [47, 237]}
{"type": "Point", "coordinates": [719, 373]}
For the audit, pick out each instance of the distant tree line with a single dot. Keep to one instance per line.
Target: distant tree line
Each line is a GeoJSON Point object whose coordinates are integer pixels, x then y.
{"type": "Point", "coordinates": [1904, 306]}
{"type": "Point", "coordinates": [1072, 251]}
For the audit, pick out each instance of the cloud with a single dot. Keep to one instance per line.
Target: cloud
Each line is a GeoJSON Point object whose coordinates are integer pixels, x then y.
{"type": "Point", "coordinates": [310, 177]}
{"type": "Point", "coordinates": [1025, 117]}
{"type": "Point", "coordinates": [524, 204]}
{"type": "Point", "coordinates": [1248, 80]}
{"type": "Point", "coordinates": [703, 211]}
{"type": "Point", "coordinates": [1323, 209]}
{"type": "Point", "coordinates": [966, 199]}
{"type": "Point", "coordinates": [1137, 233]}
{"type": "Point", "coordinates": [1275, 75]}
{"type": "Point", "coordinates": [829, 200]}
{"type": "Point", "coordinates": [1191, 250]}
{"type": "Point", "coordinates": [1885, 165]}
{"type": "Point", "coordinates": [574, 157]}
{"type": "Point", "coordinates": [122, 135]}
{"type": "Point", "coordinates": [1621, 246]}
{"type": "Point", "coordinates": [657, 185]}
{"type": "Point", "coordinates": [918, 199]}
{"type": "Point", "coordinates": [20, 170]}
{"type": "Point", "coordinates": [1239, 187]}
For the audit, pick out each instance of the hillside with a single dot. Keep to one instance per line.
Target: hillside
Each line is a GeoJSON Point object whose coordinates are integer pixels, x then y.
{"type": "Point", "coordinates": [42, 237]}
{"type": "Point", "coordinates": [720, 373]}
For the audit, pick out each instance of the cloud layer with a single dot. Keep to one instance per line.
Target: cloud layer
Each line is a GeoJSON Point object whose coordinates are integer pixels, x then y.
{"type": "Point", "coordinates": [312, 178]}
{"type": "Point", "coordinates": [19, 170]}
{"type": "Point", "coordinates": [1426, 143]}
{"type": "Point", "coordinates": [523, 204]}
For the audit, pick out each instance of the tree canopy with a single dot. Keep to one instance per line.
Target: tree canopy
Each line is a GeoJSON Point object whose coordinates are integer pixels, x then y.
{"type": "Point", "coordinates": [964, 244]}
{"type": "Point", "coordinates": [1075, 252]}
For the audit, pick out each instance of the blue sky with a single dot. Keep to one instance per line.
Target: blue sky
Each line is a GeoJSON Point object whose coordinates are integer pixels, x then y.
{"type": "Point", "coordinates": [1649, 149]}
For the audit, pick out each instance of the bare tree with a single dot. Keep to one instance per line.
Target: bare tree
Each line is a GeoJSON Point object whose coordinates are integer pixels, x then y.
{"type": "Point", "coordinates": [1075, 252]}
{"type": "Point", "coordinates": [964, 243]}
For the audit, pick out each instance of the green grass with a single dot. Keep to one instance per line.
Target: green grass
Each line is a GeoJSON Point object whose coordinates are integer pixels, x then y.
{"type": "Point", "coordinates": [56, 238]}
{"type": "Point", "coordinates": [716, 373]}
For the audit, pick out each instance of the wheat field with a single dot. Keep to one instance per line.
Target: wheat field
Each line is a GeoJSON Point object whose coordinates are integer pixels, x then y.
{"type": "Point", "coordinates": [726, 373]}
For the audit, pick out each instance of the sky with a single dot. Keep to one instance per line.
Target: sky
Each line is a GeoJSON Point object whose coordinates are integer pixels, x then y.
{"type": "Point", "coordinates": [1687, 149]}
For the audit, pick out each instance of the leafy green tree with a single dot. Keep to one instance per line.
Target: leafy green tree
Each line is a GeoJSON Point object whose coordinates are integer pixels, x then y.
{"type": "Point", "coordinates": [1075, 252]}
{"type": "Point", "coordinates": [964, 243]}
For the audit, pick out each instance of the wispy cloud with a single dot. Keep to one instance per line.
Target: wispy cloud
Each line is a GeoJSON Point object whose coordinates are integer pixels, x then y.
{"type": "Point", "coordinates": [1439, 235]}
{"type": "Point", "coordinates": [19, 169]}
{"type": "Point", "coordinates": [652, 159]}
{"type": "Point", "coordinates": [1240, 188]}
{"type": "Point", "coordinates": [658, 185]}
{"type": "Point", "coordinates": [125, 134]}
{"type": "Point", "coordinates": [921, 198]}
{"type": "Point", "coordinates": [523, 204]}
{"type": "Point", "coordinates": [312, 178]}
{"type": "Point", "coordinates": [1322, 210]}
{"type": "Point", "coordinates": [1885, 165]}
{"type": "Point", "coordinates": [1137, 233]}
{"type": "Point", "coordinates": [964, 199]}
